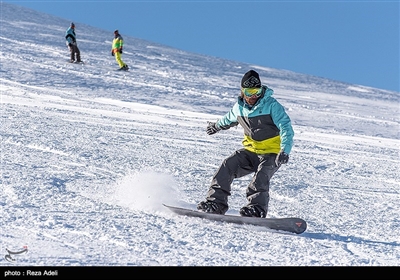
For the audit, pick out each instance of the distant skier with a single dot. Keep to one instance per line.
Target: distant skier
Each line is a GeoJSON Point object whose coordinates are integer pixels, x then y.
{"type": "Point", "coordinates": [70, 36]}
{"type": "Point", "coordinates": [268, 140]}
{"type": "Point", "coordinates": [116, 50]}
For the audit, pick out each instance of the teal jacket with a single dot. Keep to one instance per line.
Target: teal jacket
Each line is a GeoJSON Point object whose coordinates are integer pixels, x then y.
{"type": "Point", "coordinates": [70, 35]}
{"type": "Point", "coordinates": [267, 127]}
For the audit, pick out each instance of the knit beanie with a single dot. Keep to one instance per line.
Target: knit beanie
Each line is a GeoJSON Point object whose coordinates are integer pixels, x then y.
{"type": "Point", "coordinates": [251, 80]}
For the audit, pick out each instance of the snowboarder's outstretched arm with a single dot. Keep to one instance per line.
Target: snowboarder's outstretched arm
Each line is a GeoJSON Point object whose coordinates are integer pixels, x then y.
{"type": "Point", "coordinates": [226, 122]}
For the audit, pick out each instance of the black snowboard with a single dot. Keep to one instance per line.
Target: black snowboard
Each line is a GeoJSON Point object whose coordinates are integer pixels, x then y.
{"type": "Point", "coordinates": [294, 225]}
{"type": "Point", "coordinates": [76, 62]}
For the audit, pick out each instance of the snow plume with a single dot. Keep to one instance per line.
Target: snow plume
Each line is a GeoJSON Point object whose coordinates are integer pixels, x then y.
{"type": "Point", "coordinates": [145, 191]}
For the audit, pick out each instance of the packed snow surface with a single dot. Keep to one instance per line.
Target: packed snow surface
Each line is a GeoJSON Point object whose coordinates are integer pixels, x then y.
{"type": "Point", "coordinates": [89, 154]}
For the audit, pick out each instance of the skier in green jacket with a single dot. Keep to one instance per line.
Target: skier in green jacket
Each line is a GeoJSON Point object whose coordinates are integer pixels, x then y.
{"type": "Point", "coordinates": [116, 50]}
{"type": "Point", "coordinates": [268, 140]}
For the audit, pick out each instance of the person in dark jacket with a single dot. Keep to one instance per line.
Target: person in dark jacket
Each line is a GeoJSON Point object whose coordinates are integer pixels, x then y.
{"type": "Point", "coordinates": [268, 140]}
{"type": "Point", "coordinates": [70, 38]}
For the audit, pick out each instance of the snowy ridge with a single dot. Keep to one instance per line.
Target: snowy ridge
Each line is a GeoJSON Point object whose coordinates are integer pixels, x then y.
{"type": "Point", "coordinates": [89, 154]}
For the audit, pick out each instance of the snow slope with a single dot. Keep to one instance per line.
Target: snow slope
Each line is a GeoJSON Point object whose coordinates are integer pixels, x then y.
{"type": "Point", "coordinates": [89, 154]}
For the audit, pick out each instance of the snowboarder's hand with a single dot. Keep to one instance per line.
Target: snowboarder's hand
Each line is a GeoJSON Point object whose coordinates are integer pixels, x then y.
{"type": "Point", "coordinates": [281, 158]}
{"type": "Point", "coordinates": [112, 53]}
{"type": "Point", "coordinates": [120, 50]}
{"type": "Point", "coordinates": [212, 128]}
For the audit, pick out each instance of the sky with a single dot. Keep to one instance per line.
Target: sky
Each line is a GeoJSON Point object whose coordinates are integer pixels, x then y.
{"type": "Point", "coordinates": [89, 155]}
{"type": "Point", "coordinates": [350, 41]}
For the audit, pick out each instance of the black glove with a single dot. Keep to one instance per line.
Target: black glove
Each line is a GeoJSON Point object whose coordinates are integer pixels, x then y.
{"type": "Point", "coordinates": [120, 50]}
{"type": "Point", "coordinates": [112, 53]}
{"type": "Point", "coordinates": [70, 45]}
{"type": "Point", "coordinates": [212, 128]}
{"type": "Point", "coordinates": [281, 158]}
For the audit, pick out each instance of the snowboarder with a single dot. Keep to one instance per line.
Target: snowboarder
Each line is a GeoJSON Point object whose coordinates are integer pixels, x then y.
{"type": "Point", "coordinates": [268, 140]}
{"type": "Point", "coordinates": [116, 50]}
{"type": "Point", "coordinates": [70, 36]}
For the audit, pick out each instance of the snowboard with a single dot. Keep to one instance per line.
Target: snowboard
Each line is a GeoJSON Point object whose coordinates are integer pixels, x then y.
{"type": "Point", "coordinates": [119, 69]}
{"type": "Point", "coordinates": [75, 62]}
{"type": "Point", "coordinates": [293, 225]}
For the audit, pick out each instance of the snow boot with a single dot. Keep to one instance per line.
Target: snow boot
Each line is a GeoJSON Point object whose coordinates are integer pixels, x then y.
{"type": "Point", "coordinates": [252, 211]}
{"type": "Point", "coordinates": [212, 207]}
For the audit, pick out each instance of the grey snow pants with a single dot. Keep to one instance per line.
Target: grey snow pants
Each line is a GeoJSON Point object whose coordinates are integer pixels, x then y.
{"type": "Point", "coordinates": [75, 52]}
{"type": "Point", "coordinates": [239, 164]}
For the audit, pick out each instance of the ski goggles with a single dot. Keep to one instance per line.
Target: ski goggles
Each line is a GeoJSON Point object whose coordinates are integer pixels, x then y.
{"type": "Point", "coordinates": [249, 92]}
